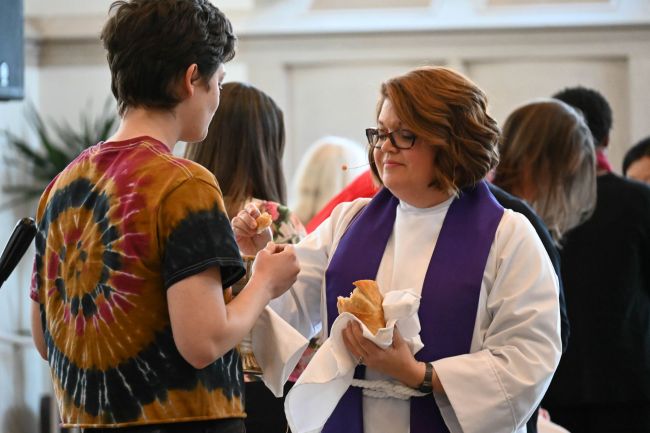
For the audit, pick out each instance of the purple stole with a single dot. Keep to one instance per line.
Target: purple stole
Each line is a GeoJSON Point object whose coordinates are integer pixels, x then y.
{"type": "Point", "coordinates": [450, 290]}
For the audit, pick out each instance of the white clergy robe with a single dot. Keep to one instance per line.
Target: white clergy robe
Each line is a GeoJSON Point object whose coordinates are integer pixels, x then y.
{"type": "Point", "coordinates": [515, 345]}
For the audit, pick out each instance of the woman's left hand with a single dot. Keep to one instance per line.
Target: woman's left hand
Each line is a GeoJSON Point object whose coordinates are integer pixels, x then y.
{"type": "Point", "coordinates": [396, 360]}
{"type": "Point", "coordinates": [244, 226]}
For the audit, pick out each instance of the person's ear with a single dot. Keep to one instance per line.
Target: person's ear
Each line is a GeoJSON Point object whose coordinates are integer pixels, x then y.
{"type": "Point", "coordinates": [190, 78]}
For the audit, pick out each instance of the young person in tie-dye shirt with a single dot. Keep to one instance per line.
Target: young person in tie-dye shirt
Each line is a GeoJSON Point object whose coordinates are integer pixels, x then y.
{"type": "Point", "coordinates": [134, 246]}
{"type": "Point", "coordinates": [244, 149]}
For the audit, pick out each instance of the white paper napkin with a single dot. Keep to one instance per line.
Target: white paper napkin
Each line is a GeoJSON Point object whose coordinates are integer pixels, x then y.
{"type": "Point", "coordinates": [315, 395]}
{"type": "Point", "coordinates": [277, 347]}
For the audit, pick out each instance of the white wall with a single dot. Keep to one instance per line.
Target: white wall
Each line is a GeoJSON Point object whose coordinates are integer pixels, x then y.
{"type": "Point", "coordinates": [336, 98]}
{"type": "Point", "coordinates": [23, 374]}
{"type": "Point", "coordinates": [329, 83]}
{"type": "Point", "coordinates": [68, 91]}
{"type": "Point", "coordinates": [515, 82]}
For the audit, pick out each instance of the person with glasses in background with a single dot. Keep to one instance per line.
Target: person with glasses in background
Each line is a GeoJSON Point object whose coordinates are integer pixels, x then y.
{"type": "Point", "coordinates": [488, 314]}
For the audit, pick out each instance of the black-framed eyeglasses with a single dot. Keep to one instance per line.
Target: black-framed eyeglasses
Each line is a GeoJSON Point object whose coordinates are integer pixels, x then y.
{"type": "Point", "coordinates": [400, 138]}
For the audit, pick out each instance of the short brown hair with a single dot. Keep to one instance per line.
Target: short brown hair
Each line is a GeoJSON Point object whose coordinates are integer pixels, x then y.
{"type": "Point", "coordinates": [244, 146]}
{"type": "Point", "coordinates": [548, 144]}
{"type": "Point", "coordinates": [448, 111]}
{"type": "Point", "coordinates": [151, 43]}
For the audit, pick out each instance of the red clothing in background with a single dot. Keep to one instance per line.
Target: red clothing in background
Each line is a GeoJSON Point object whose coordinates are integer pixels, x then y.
{"type": "Point", "coordinates": [362, 186]}
{"type": "Point", "coordinates": [601, 161]}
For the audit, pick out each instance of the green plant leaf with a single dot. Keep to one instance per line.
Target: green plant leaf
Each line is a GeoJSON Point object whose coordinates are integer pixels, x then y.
{"type": "Point", "coordinates": [26, 151]}
{"type": "Point", "coordinates": [52, 152]}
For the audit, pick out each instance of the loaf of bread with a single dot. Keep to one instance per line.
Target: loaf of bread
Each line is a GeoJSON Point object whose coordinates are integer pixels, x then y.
{"type": "Point", "coordinates": [364, 303]}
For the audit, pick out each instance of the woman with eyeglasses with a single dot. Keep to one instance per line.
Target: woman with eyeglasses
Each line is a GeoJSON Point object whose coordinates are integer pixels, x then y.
{"type": "Point", "coordinates": [488, 313]}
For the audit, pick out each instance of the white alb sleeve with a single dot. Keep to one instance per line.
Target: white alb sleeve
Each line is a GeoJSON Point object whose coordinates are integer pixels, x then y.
{"type": "Point", "coordinates": [303, 306]}
{"type": "Point", "coordinates": [516, 345]}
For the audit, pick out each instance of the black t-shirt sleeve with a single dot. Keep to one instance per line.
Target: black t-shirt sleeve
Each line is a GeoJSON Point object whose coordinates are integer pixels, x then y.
{"type": "Point", "coordinates": [195, 234]}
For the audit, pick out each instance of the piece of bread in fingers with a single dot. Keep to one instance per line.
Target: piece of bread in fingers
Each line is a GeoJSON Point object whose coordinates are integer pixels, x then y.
{"type": "Point", "coordinates": [263, 221]}
{"type": "Point", "coordinates": [365, 302]}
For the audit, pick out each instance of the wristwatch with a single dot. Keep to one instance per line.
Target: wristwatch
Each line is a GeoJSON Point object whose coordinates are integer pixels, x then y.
{"type": "Point", "coordinates": [426, 386]}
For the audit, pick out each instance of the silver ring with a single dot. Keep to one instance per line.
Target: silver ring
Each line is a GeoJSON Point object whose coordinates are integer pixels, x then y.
{"type": "Point", "coordinates": [360, 360]}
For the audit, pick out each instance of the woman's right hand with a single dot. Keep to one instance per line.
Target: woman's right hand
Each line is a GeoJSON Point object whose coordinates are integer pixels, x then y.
{"type": "Point", "coordinates": [244, 225]}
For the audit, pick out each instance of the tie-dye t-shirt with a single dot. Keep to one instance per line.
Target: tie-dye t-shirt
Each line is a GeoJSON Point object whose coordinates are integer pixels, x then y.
{"type": "Point", "coordinates": [116, 229]}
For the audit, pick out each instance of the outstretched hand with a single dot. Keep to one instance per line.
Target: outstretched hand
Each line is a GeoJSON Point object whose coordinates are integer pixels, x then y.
{"type": "Point", "coordinates": [277, 267]}
{"type": "Point", "coordinates": [244, 226]}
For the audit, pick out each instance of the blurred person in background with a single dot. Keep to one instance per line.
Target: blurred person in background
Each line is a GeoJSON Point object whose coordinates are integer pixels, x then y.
{"type": "Point", "coordinates": [244, 149]}
{"type": "Point", "coordinates": [321, 174]}
{"type": "Point", "coordinates": [602, 384]}
{"type": "Point", "coordinates": [546, 159]}
{"type": "Point", "coordinates": [363, 186]}
{"type": "Point", "coordinates": [636, 164]}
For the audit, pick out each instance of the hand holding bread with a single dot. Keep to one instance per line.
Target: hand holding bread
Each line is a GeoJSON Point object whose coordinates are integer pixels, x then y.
{"type": "Point", "coordinates": [245, 225]}
{"type": "Point", "coordinates": [365, 302]}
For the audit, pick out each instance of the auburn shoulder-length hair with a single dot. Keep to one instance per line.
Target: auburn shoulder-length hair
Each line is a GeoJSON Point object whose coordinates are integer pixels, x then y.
{"type": "Point", "coordinates": [244, 146]}
{"type": "Point", "coordinates": [446, 110]}
{"type": "Point", "coordinates": [548, 151]}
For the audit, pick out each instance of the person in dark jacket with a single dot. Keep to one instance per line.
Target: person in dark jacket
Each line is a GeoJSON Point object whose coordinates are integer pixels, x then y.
{"type": "Point", "coordinates": [547, 159]}
{"type": "Point", "coordinates": [603, 380]}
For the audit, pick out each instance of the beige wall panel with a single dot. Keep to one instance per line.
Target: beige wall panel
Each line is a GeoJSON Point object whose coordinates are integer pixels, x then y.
{"type": "Point", "coordinates": [510, 83]}
{"type": "Point", "coordinates": [334, 99]}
